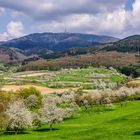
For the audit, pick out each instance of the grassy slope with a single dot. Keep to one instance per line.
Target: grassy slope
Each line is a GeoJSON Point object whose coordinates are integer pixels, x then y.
{"type": "Point", "coordinates": [121, 124]}
{"type": "Point", "coordinates": [80, 76]}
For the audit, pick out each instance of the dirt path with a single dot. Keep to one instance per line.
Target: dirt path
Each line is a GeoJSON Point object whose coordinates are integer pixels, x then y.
{"type": "Point", "coordinates": [30, 75]}
{"type": "Point", "coordinates": [43, 90]}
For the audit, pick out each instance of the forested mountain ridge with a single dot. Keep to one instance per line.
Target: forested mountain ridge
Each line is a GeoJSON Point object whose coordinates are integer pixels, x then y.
{"type": "Point", "coordinates": [57, 41]}
{"type": "Point", "coordinates": [129, 44]}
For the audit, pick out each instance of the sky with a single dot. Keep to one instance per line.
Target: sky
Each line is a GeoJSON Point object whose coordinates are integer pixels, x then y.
{"type": "Point", "coordinates": [118, 18]}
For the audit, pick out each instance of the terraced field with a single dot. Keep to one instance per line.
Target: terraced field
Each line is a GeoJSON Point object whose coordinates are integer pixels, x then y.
{"type": "Point", "coordinates": [57, 81]}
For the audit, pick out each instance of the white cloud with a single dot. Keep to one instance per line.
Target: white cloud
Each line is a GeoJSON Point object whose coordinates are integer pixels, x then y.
{"type": "Point", "coordinates": [118, 22]}
{"type": "Point", "coordinates": [107, 23]}
{"type": "Point", "coordinates": [87, 16]}
{"type": "Point", "coordinates": [53, 9]}
{"type": "Point", "coordinates": [14, 30]}
{"type": "Point", "coordinates": [133, 17]}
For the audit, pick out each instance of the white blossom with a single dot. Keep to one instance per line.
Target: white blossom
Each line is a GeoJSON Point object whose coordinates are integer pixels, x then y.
{"type": "Point", "coordinates": [18, 116]}
{"type": "Point", "coordinates": [32, 101]}
{"type": "Point", "coordinates": [50, 112]}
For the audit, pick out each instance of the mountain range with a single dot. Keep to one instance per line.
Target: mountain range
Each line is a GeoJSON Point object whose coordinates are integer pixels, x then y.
{"type": "Point", "coordinates": [55, 45]}
{"type": "Point", "coordinates": [57, 41]}
{"type": "Point", "coordinates": [44, 44]}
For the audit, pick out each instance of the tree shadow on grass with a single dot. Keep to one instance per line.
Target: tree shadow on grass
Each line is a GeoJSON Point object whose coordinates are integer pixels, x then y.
{"type": "Point", "coordinates": [137, 133]}
{"type": "Point", "coordinates": [71, 118]}
{"type": "Point", "coordinates": [13, 133]}
{"type": "Point", "coordinates": [45, 129]}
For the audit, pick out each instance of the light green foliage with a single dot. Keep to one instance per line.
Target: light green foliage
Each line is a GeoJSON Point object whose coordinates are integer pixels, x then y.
{"type": "Point", "coordinates": [2, 68]}
{"type": "Point", "coordinates": [32, 97]}
{"type": "Point", "coordinates": [29, 91]}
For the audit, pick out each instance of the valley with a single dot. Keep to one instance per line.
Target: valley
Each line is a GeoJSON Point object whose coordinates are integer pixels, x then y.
{"type": "Point", "coordinates": [90, 90]}
{"type": "Point", "coordinates": [69, 70]}
{"type": "Point", "coordinates": [107, 101]}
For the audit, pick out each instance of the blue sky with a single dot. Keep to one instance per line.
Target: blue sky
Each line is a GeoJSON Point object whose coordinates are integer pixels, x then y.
{"type": "Point", "coordinates": [128, 5]}
{"type": "Point", "coordinates": [115, 18]}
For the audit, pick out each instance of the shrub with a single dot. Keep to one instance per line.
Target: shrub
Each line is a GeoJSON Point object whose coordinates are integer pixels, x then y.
{"type": "Point", "coordinates": [31, 96]}
{"type": "Point", "coordinates": [5, 98]}
{"type": "Point", "coordinates": [29, 91]}
{"type": "Point", "coordinates": [2, 116]}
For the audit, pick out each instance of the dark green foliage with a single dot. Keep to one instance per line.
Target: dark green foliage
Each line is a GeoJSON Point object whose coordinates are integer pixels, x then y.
{"type": "Point", "coordinates": [70, 52]}
{"type": "Point", "coordinates": [133, 70]}
{"type": "Point", "coordinates": [129, 44]}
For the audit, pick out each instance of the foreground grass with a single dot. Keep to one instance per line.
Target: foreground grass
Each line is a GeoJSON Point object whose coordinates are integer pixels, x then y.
{"type": "Point", "coordinates": [122, 123]}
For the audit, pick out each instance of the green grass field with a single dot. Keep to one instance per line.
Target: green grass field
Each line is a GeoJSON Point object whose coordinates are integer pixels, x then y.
{"type": "Point", "coordinates": [121, 123]}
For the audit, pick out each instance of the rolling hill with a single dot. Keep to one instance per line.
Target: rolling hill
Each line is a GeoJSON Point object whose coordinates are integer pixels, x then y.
{"type": "Point", "coordinates": [8, 55]}
{"type": "Point", "coordinates": [129, 44]}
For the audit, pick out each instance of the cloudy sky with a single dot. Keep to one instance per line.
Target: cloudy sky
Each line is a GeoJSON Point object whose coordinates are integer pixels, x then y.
{"type": "Point", "coordinates": [119, 18]}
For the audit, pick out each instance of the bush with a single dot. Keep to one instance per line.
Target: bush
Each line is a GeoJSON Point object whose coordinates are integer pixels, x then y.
{"type": "Point", "coordinates": [32, 97]}
{"type": "Point", "coordinates": [2, 116]}
{"type": "Point", "coordinates": [133, 70]}
{"type": "Point", "coordinates": [29, 91]}
{"type": "Point", "coordinates": [5, 98]}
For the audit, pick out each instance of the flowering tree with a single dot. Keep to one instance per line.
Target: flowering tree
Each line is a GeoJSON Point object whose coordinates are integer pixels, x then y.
{"type": "Point", "coordinates": [18, 116]}
{"type": "Point", "coordinates": [69, 104]}
{"type": "Point", "coordinates": [32, 102]}
{"type": "Point", "coordinates": [50, 112]}
{"type": "Point", "coordinates": [36, 120]}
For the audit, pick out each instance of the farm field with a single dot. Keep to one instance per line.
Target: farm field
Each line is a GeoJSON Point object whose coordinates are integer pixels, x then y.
{"type": "Point", "coordinates": [43, 90]}
{"type": "Point", "coordinates": [51, 81]}
{"type": "Point", "coordinates": [134, 83]}
{"type": "Point", "coordinates": [120, 123]}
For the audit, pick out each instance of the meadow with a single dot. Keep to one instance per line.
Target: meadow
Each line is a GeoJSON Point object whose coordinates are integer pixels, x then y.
{"type": "Point", "coordinates": [119, 123]}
